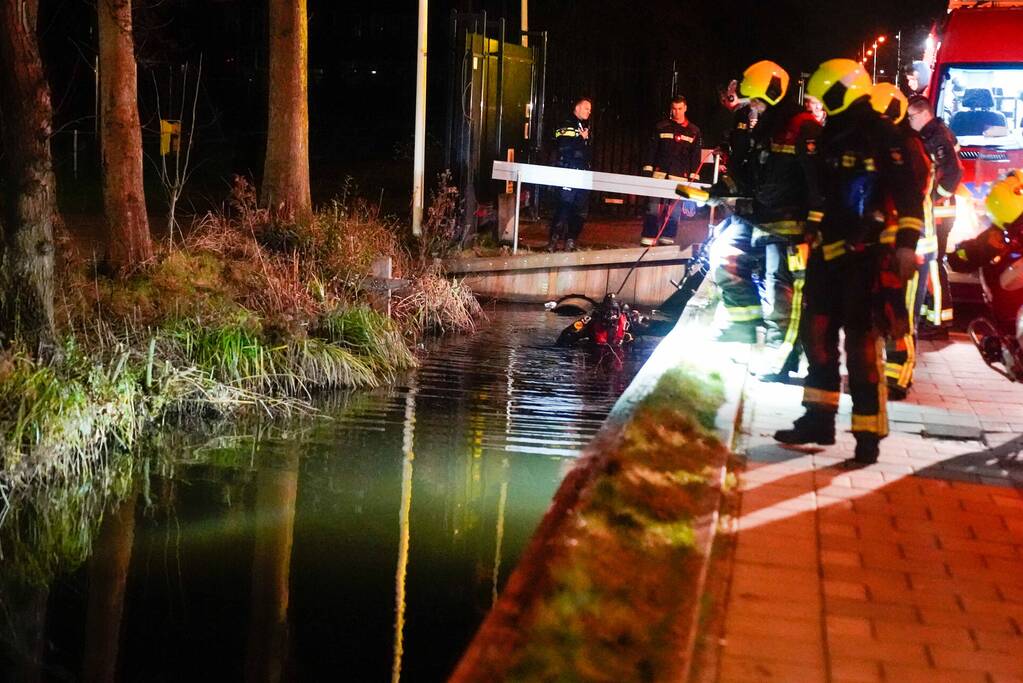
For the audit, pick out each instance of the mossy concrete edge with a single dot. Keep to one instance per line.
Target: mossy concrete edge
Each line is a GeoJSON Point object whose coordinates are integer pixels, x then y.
{"type": "Point", "coordinates": [501, 637]}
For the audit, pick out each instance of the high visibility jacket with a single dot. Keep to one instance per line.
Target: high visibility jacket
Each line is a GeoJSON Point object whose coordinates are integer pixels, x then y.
{"type": "Point", "coordinates": [943, 148]}
{"type": "Point", "coordinates": [920, 164]}
{"type": "Point", "coordinates": [573, 150]}
{"type": "Point", "coordinates": [867, 168]}
{"type": "Point", "coordinates": [785, 165]}
{"type": "Point", "coordinates": [673, 149]}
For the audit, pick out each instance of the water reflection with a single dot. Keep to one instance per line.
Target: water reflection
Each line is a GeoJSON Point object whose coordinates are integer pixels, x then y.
{"type": "Point", "coordinates": [276, 493]}
{"type": "Point", "coordinates": [366, 546]}
{"type": "Point", "coordinates": [108, 574]}
{"type": "Point", "coordinates": [408, 451]}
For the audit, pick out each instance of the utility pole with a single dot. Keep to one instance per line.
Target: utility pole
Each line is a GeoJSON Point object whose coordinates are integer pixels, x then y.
{"type": "Point", "coordinates": [898, 57]}
{"type": "Point", "coordinates": [419, 159]}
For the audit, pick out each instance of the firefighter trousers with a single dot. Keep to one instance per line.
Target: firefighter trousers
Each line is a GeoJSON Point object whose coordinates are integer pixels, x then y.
{"type": "Point", "coordinates": [664, 213]}
{"type": "Point", "coordinates": [742, 254]}
{"type": "Point", "coordinates": [937, 308]}
{"type": "Point", "coordinates": [838, 298]}
{"type": "Point", "coordinates": [900, 353]}
{"type": "Point", "coordinates": [734, 262]}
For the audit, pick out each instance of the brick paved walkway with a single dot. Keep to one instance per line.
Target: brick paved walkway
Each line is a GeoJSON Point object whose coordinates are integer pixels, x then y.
{"type": "Point", "coordinates": [908, 570]}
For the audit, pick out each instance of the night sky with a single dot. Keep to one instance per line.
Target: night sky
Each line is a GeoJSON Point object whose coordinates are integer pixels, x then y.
{"type": "Point", "coordinates": [362, 66]}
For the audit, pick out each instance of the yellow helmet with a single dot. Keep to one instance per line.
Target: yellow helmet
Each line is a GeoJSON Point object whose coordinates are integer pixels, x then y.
{"type": "Point", "coordinates": [887, 100]}
{"type": "Point", "coordinates": [1005, 200]}
{"type": "Point", "coordinates": [765, 81]}
{"type": "Point", "coordinates": [837, 83]}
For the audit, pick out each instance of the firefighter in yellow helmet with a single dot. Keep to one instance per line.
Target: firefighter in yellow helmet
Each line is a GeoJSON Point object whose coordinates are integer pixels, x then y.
{"type": "Point", "coordinates": [854, 281]}
{"type": "Point", "coordinates": [901, 351]}
{"type": "Point", "coordinates": [991, 250]}
{"type": "Point", "coordinates": [782, 175]}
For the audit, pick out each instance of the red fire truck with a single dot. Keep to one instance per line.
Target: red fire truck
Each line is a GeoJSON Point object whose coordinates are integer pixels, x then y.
{"type": "Point", "coordinates": [977, 88]}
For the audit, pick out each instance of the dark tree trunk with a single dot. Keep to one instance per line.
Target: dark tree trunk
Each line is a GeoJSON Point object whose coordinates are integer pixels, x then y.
{"type": "Point", "coordinates": [26, 248]}
{"type": "Point", "coordinates": [286, 168]}
{"type": "Point", "coordinates": [128, 241]}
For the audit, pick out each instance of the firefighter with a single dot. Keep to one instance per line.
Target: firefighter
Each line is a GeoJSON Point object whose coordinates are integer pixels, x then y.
{"type": "Point", "coordinates": [994, 248]}
{"type": "Point", "coordinates": [574, 150]}
{"type": "Point", "coordinates": [674, 153]}
{"type": "Point", "coordinates": [782, 172]}
{"type": "Point", "coordinates": [947, 172]}
{"type": "Point", "coordinates": [900, 352]}
{"type": "Point", "coordinates": [854, 283]}
{"type": "Point", "coordinates": [814, 106]}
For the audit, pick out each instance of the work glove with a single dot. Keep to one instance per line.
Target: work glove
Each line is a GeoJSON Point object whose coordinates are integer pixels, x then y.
{"type": "Point", "coordinates": [724, 187]}
{"type": "Point", "coordinates": [905, 261]}
{"type": "Point", "coordinates": [743, 206]}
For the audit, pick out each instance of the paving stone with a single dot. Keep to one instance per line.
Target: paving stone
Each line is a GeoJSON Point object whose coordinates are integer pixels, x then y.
{"type": "Point", "coordinates": [907, 427]}
{"type": "Point", "coordinates": [911, 565]}
{"type": "Point", "coordinates": [966, 430]}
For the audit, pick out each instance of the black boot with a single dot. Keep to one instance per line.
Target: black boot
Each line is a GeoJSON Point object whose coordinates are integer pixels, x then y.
{"type": "Point", "coordinates": [552, 243]}
{"type": "Point", "coordinates": [867, 448]}
{"type": "Point", "coordinates": [897, 393]}
{"type": "Point", "coordinates": [816, 426]}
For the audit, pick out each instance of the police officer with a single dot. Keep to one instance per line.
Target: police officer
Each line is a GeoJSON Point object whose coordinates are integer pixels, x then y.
{"type": "Point", "coordinates": [782, 174]}
{"type": "Point", "coordinates": [865, 166]}
{"type": "Point", "coordinates": [947, 172]}
{"type": "Point", "coordinates": [674, 153]}
{"type": "Point", "coordinates": [900, 352]}
{"type": "Point", "coordinates": [574, 150]}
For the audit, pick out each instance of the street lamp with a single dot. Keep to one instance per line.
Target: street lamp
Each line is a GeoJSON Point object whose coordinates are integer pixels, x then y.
{"type": "Point", "coordinates": [880, 40]}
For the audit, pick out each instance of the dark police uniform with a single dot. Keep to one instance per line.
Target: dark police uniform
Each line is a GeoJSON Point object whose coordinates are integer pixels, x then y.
{"type": "Point", "coordinates": [866, 168]}
{"type": "Point", "coordinates": [737, 145]}
{"type": "Point", "coordinates": [673, 152]}
{"type": "Point", "coordinates": [573, 151]}
{"type": "Point", "coordinates": [947, 172]}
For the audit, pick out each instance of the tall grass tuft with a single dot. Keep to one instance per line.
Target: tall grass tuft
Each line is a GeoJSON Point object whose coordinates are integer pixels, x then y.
{"type": "Point", "coordinates": [249, 311]}
{"type": "Point", "coordinates": [371, 335]}
{"type": "Point", "coordinates": [436, 302]}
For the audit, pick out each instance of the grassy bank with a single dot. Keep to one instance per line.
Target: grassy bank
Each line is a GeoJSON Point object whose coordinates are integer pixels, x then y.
{"type": "Point", "coordinates": [248, 312]}
{"type": "Point", "coordinates": [606, 588]}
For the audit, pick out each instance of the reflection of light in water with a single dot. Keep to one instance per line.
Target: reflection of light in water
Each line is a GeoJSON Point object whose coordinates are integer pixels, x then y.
{"type": "Point", "coordinates": [507, 390]}
{"type": "Point", "coordinates": [407, 446]}
{"type": "Point", "coordinates": [543, 450]}
{"type": "Point", "coordinates": [501, 503]}
{"type": "Point", "coordinates": [509, 401]}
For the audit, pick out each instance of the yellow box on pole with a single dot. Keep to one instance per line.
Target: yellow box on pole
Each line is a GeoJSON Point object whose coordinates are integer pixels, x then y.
{"type": "Point", "coordinates": [170, 137]}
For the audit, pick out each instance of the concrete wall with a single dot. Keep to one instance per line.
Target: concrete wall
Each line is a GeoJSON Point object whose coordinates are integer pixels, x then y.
{"type": "Point", "coordinates": [535, 278]}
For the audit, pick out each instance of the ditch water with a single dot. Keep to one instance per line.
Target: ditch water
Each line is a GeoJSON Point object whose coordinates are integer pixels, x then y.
{"type": "Point", "coordinates": [366, 547]}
